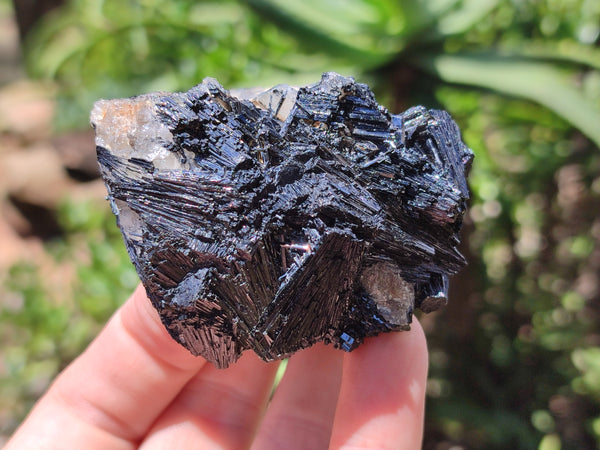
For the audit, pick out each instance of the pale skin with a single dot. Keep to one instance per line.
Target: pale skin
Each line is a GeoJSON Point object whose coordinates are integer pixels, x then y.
{"type": "Point", "coordinates": [134, 387]}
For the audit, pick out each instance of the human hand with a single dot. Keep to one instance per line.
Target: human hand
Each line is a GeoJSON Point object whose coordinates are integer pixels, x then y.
{"type": "Point", "coordinates": [136, 387]}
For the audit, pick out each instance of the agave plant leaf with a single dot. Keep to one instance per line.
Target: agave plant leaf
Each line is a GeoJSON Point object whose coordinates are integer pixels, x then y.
{"type": "Point", "coordinates": [368, 32]}
{"type": "Point", "coordinates": [566, 50]}
{"type": "Point", "coordinates": [541, 82]}
{"type": "Point", "coordinates": [463, 16]}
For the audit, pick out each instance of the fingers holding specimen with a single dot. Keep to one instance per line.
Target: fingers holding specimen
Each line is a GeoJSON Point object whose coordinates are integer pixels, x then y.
{"type": "Point", "coordinates": [122, 382]}
{"type": "Point", "coordinates": [302, 410]}
{"type": "Point", "coordinates": [217, 408]}
{"type": "Point", "coordinates": [382, 397]}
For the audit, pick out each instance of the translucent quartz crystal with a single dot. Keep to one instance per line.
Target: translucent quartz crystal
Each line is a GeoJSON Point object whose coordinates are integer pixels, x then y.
{"type": "Point", "coordinates": [277, 219]}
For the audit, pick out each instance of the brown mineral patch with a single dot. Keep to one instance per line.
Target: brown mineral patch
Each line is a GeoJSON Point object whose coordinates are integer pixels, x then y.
{"type": "Point", "coordinates": [393, 295]}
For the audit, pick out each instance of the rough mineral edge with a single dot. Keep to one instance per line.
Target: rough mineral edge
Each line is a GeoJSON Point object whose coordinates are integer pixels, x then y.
{"type": "Point", "coordinates": [290, 217]}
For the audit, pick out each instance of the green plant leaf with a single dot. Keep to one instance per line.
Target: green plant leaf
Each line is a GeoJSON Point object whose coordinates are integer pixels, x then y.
{"type": "Point", "coordinates": [540, 82]}
{"type": "Point", "coordinates": [464, 16]}
{"type": "Point", "coordinates": [368, 32]}
{"type": "Point", "coordinates": [566, 50]}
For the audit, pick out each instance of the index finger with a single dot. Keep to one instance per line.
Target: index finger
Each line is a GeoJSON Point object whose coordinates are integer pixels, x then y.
{"type": "Point", "coordinates": [382, 397]}
{"type": "Point", "coordinates": [97, 399]}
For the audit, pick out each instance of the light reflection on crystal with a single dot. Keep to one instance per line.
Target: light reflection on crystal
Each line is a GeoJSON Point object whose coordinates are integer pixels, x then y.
{"type": "Point", "coordinates": [297, 216]}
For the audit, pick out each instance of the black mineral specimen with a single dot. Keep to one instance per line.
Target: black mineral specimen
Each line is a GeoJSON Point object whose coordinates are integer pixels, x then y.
{"type": "Point", "coordinates": [297, 216]}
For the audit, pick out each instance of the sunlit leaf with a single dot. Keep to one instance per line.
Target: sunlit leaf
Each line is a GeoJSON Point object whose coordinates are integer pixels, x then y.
{"type": "Point", "coordinates": [540, 82]}
{"type": "Point", "coordinates": [565, 50]}
{"type": "Point", "coordinates": [462, 18]}
{"type": "Point", "coordinates": [353, 29]}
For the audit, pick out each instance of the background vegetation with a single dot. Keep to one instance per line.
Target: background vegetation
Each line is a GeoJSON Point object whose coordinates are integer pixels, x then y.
{"type": "Point", "coordinates": [515, 358]}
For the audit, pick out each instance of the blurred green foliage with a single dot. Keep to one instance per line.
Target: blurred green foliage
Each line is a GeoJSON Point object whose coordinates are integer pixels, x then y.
{"type": "Point", "coordinates": [43, 327]}
{"type": "Point", "coordinates": [515, 358]}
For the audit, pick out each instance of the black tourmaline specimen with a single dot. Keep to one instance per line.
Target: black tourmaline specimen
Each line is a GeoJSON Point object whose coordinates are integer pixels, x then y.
{"type": "Point", "coordinates": [296, 216]}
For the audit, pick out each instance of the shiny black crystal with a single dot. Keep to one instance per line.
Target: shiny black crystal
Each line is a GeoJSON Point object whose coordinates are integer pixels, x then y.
{"type": "Point", "coordinates": [294, 217]}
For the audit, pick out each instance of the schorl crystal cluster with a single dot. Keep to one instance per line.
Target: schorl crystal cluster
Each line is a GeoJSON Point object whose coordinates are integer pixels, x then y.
{"type": "Point", "coordinates": [296, 216]}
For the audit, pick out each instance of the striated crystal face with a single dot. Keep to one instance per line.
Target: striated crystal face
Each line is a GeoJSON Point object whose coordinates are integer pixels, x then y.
{"type": "Point", "coordinates": [294, 216]}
